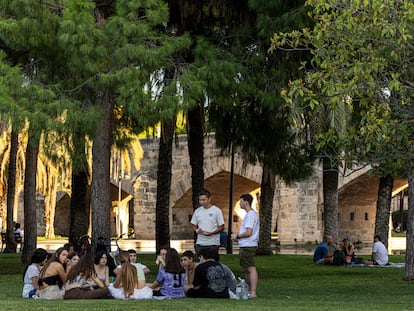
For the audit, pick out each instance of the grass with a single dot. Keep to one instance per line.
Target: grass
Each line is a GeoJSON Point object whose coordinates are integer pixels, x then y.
{"type": "Point", "coordinates": [286, 282]}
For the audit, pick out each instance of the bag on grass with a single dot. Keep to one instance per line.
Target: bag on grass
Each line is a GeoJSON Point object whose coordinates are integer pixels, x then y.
{"type": "Point", "coordinates": [339, 258]}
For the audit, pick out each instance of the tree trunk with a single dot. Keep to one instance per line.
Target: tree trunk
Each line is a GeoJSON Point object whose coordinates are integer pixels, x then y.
{"type": "Point", "coordinates": [11, 192]}
{"type": "Point", "coordinates": [196, 150]}
{"type": "Point", "coordinates": [50, 201]}
{"type": "Point", "coordinates": [101, 187]}
{"type": "Point", "coordinates": [382, 219]}
{"type": "Point", "coordinates": [79, 218]}
{"type": "Point", "coordinates": [330, 198]}
{"type": "Point", "coordinates": [162, 208]}
{"type": "Point", "coordinates": [265, 213]}
{"type": "Point", "coordinates": [30, 218]}
{"type": "Point", "coordinates": [409, 251]}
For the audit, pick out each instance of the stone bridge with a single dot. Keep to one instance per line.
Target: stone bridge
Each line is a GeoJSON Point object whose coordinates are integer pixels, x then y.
{"type": "Point", "coordinates": [297, 214]}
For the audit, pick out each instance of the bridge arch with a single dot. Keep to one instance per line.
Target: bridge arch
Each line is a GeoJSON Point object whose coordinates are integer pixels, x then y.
{"type": "Point", "coordinates": [217, 181]}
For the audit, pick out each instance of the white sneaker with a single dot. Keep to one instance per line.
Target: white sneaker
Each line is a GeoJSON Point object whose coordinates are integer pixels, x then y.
{"type": "Point", "coordinates": [35, 297]}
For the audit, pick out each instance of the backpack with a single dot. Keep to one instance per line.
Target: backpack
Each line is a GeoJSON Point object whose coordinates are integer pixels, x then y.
{"type": "Point", "coordinates": [338, 258]}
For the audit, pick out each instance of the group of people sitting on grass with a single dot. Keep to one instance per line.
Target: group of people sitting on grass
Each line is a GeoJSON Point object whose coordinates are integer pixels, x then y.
{"type": "Point", "coordinates": [327, 253]}
{"type": "Point", "coordinates": [68, 275]}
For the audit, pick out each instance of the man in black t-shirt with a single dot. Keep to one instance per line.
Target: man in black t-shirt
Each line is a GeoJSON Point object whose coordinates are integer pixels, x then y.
{"type": "Point", "coordinates": [209, 278]}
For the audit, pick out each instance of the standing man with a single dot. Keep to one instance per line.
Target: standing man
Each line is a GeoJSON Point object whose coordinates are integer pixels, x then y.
{"type": "Point", "coordinates": [248, 238]}
{"type": "Point", "coordinates": [207, 222]}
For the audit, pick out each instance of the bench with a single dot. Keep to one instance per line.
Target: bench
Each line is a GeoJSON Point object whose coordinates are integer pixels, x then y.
{"type": "Point", "coordinates": [17, 238]}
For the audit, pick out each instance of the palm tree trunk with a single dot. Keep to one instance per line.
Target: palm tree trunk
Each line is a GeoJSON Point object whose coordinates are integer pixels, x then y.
{"type": "Point", "coordinates": [196, 150]}
{"type": "Point", "coordinates": [409, 250]}
{"type": "Point", "coordinates": [330, 198]}
{"type": "Point", "coordinates": [265, 213]}
{"type": "Point", "coordinates": [162, 208]}
{"type": "Point", "coordinates": [11, 192]}
{"type": "Point", "coordinates": [382, 219]}
{"type": "Point", "coordinates": [30, 223]}
{"type": "Point", "coordinates": [101, 188]}
{"type": "Point", "coordinates": [50, 201]}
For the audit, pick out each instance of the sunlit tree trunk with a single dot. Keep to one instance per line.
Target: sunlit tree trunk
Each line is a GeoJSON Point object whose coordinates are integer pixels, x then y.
{"type": "Point", "coordinates": [382, 218]}
{"type": "Point", "coordinates": [50, 201]}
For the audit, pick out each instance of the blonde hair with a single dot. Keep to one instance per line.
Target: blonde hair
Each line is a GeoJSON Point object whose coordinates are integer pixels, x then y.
{"type": "Point", "coordinates": [127, 279]}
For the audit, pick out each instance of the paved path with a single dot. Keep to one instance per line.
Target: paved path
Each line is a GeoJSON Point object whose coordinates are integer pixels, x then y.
{"type": "Point", "coordinates": [141, 246]}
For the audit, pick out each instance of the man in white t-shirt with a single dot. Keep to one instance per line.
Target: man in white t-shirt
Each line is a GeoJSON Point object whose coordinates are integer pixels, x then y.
{"type": "Point", "coordinates": [207, 222]}
{"type": "Point", "coordinates": [248, 239]}
{"type": "Point", "coordinates": [379, 254]}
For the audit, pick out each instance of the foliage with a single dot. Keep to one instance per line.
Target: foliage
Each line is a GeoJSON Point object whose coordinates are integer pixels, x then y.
{"type": "Point", "coordinates": [361, 56]}
{"type": "Point", "coordinates": [244, 84]}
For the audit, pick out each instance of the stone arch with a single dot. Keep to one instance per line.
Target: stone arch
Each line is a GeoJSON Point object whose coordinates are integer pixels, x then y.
{"type": "Point", "coordinates": [357, 203]}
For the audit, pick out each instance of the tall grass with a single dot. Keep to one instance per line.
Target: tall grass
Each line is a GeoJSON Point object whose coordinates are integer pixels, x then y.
{"type": "Point", "coordinates": [286, 282]}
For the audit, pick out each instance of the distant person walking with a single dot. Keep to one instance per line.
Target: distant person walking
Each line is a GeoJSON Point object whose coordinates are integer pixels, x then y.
{"type": "Point", "coordinates": [207, 222]}
{"type": "Point", "coordinates": [248, 239]}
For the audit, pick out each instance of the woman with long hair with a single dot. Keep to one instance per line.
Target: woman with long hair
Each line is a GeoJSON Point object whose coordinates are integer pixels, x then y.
{"type": "Point", "coordinates": [101, 266]}
{"type": "Point", "coordinates": [170, 277]}
{"type": "Point", "coordinates": [53, 276]}
{"type": "Point", "coordinates": [82, 281]}
{"type": "Point", "coordinates": [72, 259]}
{"type": "Point", "coordinates": [32, 272]}
{"type": "Point", "coordinates": [127, 285]}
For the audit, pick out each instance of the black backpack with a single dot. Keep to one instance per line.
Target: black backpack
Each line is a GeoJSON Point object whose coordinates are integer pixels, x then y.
{"type": "Point", "coordinates": [339, 258]}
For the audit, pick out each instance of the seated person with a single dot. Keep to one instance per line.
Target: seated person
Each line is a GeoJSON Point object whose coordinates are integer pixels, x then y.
{"type": "Point", "coordinates": [231, 281]}
{"type": "Point", "coordinates": [31, 273]}
{"type": "Point", "coordinates": [17, 229]}
{"type": "Point", "coordinates": [170, 277]}
{"type": "Point", "coordinates": [127, 286]}
{"type": "Point", "coordinates": [133, 260]}
{"type": "Point", "coordinates": [53, 276]}
{"type": "Point", "coordinates": [379, 255]}
{"type": "Point", "coordinates": [101, 266]}
{"type": "Point", "coordinates": [349, 251]}
{"type": "Point", "coordinates": [69, 247]}
{"type": "Point", "coordinates": [124, 257]}
{"type": "Point", "coordinates": [83, 282]}
{"type": "Point", "coordinates": [209, 277]}
{"type": "Point", "coordinates": [161, 257]}
{"type": "Point", "coordinates": [187, 261]}
{"type": "Point", "coordinates": [72, 260]}
{"type": "Point", "coordinates": [323, 253]}
{"type": "Point", "coordinates": [101, 246]}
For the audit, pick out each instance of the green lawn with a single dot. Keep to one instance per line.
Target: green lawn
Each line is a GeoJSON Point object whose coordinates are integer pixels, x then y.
{"type": "Point", "coordinates": [286, 282]}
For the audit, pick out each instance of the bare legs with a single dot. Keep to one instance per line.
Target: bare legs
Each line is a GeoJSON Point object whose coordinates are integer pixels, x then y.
{"type": "Point", "coordinates": [251, 279]}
